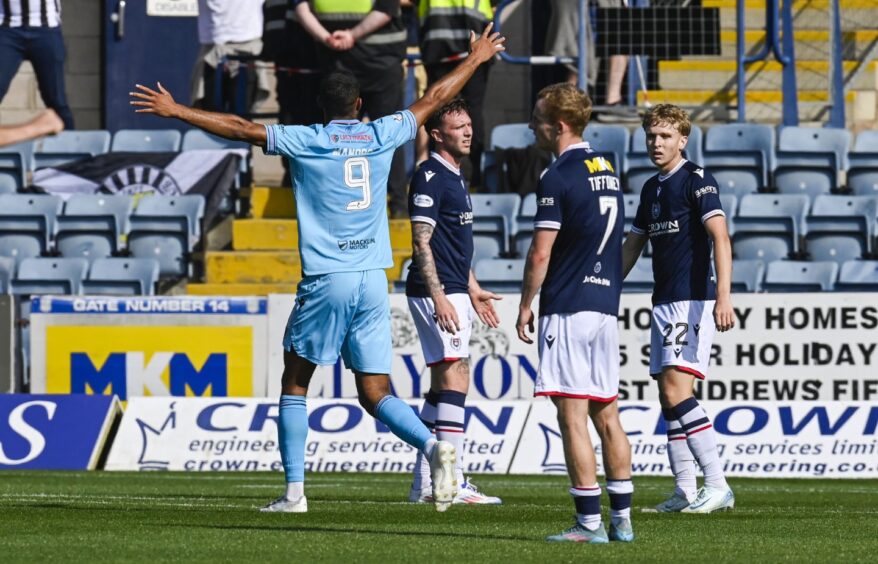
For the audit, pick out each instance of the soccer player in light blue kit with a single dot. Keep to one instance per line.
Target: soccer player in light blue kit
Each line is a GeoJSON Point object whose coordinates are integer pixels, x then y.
{"type": "Point", "coordinates": [340, 184]}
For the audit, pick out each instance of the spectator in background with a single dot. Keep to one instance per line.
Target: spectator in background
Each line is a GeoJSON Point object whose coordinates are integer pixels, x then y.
{"type": "Point", "coordinates": [563, 41]}
{"type": "Point", "coordinates": [228, 28]}
{"type": "Point", "coordinates": [369, 40]}
{"type": "Point", "coordinates": [294, 53]}
{"type": "Point", "coordinates": [46, 123]}
{"type": "Point", "coordinates": [444, 40]}
{"type": "Point", "coordinates": [30, 30]}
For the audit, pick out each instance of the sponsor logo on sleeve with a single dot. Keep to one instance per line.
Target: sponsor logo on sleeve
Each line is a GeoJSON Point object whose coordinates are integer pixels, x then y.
{"type": "Point", "coordinates": [422, 200]}
{"type": "Point", "coordinates": [706, 190]}
{"type": "Point", "coordinates": [546, 201]}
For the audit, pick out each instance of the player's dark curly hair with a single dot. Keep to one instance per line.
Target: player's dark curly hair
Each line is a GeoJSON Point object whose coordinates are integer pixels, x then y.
{"type": "Point", "coordinates": [338, 94]}
{"type": "Point", "coordinates": [453, 107]}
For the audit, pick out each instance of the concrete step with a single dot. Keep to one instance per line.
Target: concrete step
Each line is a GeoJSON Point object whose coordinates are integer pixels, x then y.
{"type": "Point", "coordinates": [702, 74]}
{"type": "Point", "coordinates": [269, 267]}
{"type": "Point", "coordinates": [810, 44]}
{"type": "Point", "coordinates": [283, 234]}
{"type": "Point", "coordinates": [762, 105]}
{"type": "Point", "coordinates": [855, 14]}
{"type": "Point", "coordinates": [272, 203]}
{"type": "Point", "coordinates": [239, 289]}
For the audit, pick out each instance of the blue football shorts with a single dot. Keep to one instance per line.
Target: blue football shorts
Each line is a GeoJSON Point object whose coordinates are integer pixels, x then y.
{"type": "Point", "coordinates": [346, 313]}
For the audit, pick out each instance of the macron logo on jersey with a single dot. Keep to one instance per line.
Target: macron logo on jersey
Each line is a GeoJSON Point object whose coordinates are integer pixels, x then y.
{"type": "Point", "coordinates": [700, 172]}
{"type": "Point", "coordinates": [429, 175]}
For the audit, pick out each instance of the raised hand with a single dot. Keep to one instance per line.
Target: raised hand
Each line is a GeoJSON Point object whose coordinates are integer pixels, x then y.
{"type": "Point", "coordinates": [486, 45]}
{"type": "Point", "coordinates": [160, 103]}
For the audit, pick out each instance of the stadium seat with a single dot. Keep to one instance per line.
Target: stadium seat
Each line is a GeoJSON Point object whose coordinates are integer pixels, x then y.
{"type": "Point", "coordinates": [862, 172]}
{"type": "Point", "coordinates": [640, 278]}
{"type": "Point", "coordinates": [605, 138]}
{"type": "Point", "coordinates": [93, 225]}
{"type": "Point", "coordinates": [740, 156]}
{"type": "Point", "coordinates": [69, 146]}
{"type": "Point", "coordinates": [500, 275]}
{"type": "Point", "coordinates": [485, 247]}
{"type": "Point", "coordinates": [809, 158]}
{"type": "Point", "coordinates": [30, 215]}
{"type": "Point", "coordinates": [524, 222]}
{"type": "Point", "coordinates": [495, 215]}
{"type": "Point", "coordinates": [838, 248]}
{"type": "Point", "coordinates": [747, 275]}
{"type": "Point", "coordinates": [7, 273]}
{"type": "Point", "coordinates": [729, 203]}
{"type": "Point", "coordinates": [15, 161]}
{"type": "Point", "coordinates": [640, 169]}
{"type": "Point", "coordinates": [50, 276]}
{"type": "Point", "coordinates": [512, 135]}
{"type": "Point", "coordinates": [854, 217]}
{"type": "Point", "coordinates": [799, 276]}
{"type": "Point", "coordinates": [146, 140]}
{"type": "Point", "coordinates": [8, 185]}
{"type": "Point", "coordinates": [777, 215]}
{"type": "Point", "coordinates": [631, 202]}
{"type": "Point", "coordinates": [166, 228]}
{"type": "Point", "coordinates": [761, 247]}
{"type": "Point", "coordinates": [122, 276]}
{"type": "Point", "coordinates": [858, 275]}
{"type": "Point", "coordinates": [196, 139]}
{"type": "Point", "coordinates": [20, 246]}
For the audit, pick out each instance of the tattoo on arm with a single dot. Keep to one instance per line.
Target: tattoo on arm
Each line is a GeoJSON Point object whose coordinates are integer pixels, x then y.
{"type": "Point", "coordinates": [422, 256]}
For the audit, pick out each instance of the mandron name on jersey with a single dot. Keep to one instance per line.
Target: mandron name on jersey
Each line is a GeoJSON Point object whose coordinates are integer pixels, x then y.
{"type": "Point", "coordinates": [351, 152]}
{"type": "Point", "coordinates": [664, 227]}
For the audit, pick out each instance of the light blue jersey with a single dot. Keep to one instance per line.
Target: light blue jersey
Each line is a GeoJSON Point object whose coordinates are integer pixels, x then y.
{"type": "Point", "coordinates": [340, 183]}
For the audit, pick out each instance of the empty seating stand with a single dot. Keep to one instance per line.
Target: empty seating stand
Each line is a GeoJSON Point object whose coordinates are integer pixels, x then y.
{"type": "Point", "coordinates": [494, 215]}
{"type": "Point", "coordinates": [858, 276]}
{"type": "Point", "coordinates": [167, 228]}
{"type": "Point", "coordinates": [50, 276]}
{"type": "Point", "coordinates": [769, 226]}
{"type": "Point", "coordinates": [800, 276]}
{"type": "Point", "coordinates": [862, 173]}
{"type": "Point", "coordinates": [841, 228]}
{"type": "Point", "coordinates": [747, 275]}
{"type": "Point", "coordinates": [500, 275]}
{"type": "Point", "coordinates": [93, 225]}
{"type": "Point", "coordinates": [122, 276]}
{"type": "Point", "coordinates": [146, 140]}
{"type": "Point", "coordinates": [28, 222]}
{"type": "Point", "coordinates": [69, 146]}
{"type": "Point", "coordinates": [809, 159]}
{"type": "Point", "coordinates": [740, 156]}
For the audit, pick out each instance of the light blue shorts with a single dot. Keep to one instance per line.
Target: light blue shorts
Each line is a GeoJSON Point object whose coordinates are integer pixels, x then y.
{"type": "Point", "coordinates": [342, 312]}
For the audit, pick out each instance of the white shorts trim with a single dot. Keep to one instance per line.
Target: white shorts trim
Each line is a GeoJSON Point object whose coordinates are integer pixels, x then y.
{"type": "Point", "coordinates": [681, 335]}
{"type": "Point", "coordinates": [579, 356]}
{"type": "Point", "coordinates": [438, 345]}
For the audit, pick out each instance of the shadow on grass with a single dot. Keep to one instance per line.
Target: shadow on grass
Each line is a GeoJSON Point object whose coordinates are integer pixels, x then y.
{"type": "Point", "coordinates": [364, 531]}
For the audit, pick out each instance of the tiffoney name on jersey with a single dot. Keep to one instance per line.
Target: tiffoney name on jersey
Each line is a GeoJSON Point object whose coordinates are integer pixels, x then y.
{"type": "Point", "coordinates": [604, 183]}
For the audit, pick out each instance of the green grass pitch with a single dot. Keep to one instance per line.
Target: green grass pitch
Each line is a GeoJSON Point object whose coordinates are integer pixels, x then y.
{"type": "Point", "coordinates": [104, 516]}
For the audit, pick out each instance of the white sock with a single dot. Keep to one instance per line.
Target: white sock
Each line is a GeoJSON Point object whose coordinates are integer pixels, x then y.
{"type": "Point", "coordinates": [620, 492]}
{"type": "Point", "coordinates": [701, 439]}
{"type": "Point", "coordinates": [681, 458]}
{"type": "Point", "coordinates": [588, 506]}
{"type": "Point", "coordinates": [450, 416]}
{"type": "Point", "coordinates": [295, 490]}
{"type": "Point", "coordinates": [421, 475]}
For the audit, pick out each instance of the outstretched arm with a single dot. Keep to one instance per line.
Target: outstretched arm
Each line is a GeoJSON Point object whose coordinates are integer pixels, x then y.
{"type": "Point", "coordinates": [230, 126]}
{"type": "Point", "coordinates": [444, 90]}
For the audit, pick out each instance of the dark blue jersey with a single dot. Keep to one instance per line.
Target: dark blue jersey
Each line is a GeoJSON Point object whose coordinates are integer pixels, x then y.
{"type": "Point", "coordinates": [580, 196]}
{"type": "Point", "coordinates": [672, 213]}
{"type": "Point", "coordinates": [439, 197]}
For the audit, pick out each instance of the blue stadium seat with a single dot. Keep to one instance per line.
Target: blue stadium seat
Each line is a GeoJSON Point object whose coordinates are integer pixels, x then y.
{"type": "Point", "coordinates": [740, 156]}
{"type": "Point", "coordinates": [15, 161]}
{"type": "Point", "coordinates": [8, 184]}
{"type": "Point", "coordinates": [638, 142]}
{"type": "Point", "coordinates": [631, 202]}
{"type": "Point", "coordinates": [640, 278]}
{"type": "Point", "coordinates": [605, 138]}
{"type": "Point", "coordinates": [30, 215]}
{"type": "Point", "coordinates": [854, 217]}
{"type": "Point", "coordinates": [780, 216]}
{"type": "Point", "coordinates": [809, 158]}
{"type": "Point", "coordinates": [512, 135]}
{"type": "Point", "coordinates": [862, 172]}
{"type": "Point", "coordinates": [50, 276]}
{"type": "Point", "coordinates": [69, 146]}
{"type": "Point", "coordinates": [761, 247]}
{"type": "Point", "coordinates": [20, 246]}
{"type": "Point", "coordinates": [196, 139]}
{"type": "Point", "coordinates": [495, 215]}
{"type": "Point", "coordinates": [729, 203]}
{"type": "Point", "coordinates": [694, 150]}
{"type": "Point", "coordinates": [747, 275]}
{"type": "Point", "coordinates": [640, 169]}
{"type": "Point", "coordinates": [838, 248]}
{"type": "Point", "coordinates": [92, 225]}
{"type": "Point", "coordinates": [7, 273]}
{"type": "Point", "coordinates": [485, 247]}
{"type": "Point", "coordinates": [146, 140]}
{"type": "Point", "coordinates": [500, 275]}
{"type": "Point", "coordinates": [122, 277]}
{"type": "Point", "coordinates": [166, 228]}
{"type": "Point", "coordinates": [799, 276]}
{"type": "Point", "coordinates": [524, 222]}
{"type": "Point", "coordinates": [858, 276]}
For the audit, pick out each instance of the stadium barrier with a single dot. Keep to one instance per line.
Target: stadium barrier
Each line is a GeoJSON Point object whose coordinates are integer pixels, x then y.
{"type": "Point", "coordinates": [778, 439]}
{"type": "Point", "coordinates": [54, 432]}
{"type": "Point", "coordinates": [785, 347]}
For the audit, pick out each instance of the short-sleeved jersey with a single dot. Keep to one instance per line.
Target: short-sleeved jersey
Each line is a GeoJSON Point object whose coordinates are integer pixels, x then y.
{"type": "Point", "coordinates": [438, 196]}
{"type": "Point", "coordinates": [339, 176]}
{"type": "Point", "coordinates": [580, 195]}
{"type": "Point", "coordinates": [672, 212]}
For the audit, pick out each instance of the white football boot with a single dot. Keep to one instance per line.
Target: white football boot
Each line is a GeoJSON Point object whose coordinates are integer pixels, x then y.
{"type": "Point", "coordinates": [442, 466]}
{"type": "Point", "coordinates": [710, 499]}
{"type": "Point", "coordinates": [674, 504]}
{"type": "Point", "coordinates": [284, 505]}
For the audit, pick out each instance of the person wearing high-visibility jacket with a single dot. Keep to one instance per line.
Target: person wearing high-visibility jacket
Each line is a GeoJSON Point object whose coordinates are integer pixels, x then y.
{"type": "Point", "coordinates": [444, 40]}
{"type": "Point", "coordinates": [368, 39]}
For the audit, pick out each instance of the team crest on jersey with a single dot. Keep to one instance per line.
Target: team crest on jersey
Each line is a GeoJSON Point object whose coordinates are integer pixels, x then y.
{"type": "Point", "coordinates": [333, 138]}
{"type": "Point", "coordinates": [656, 210]}
{"type": "Point", "coordinates": [597, 267]}
{"type": "Point", "coordinates": [455, 343]}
